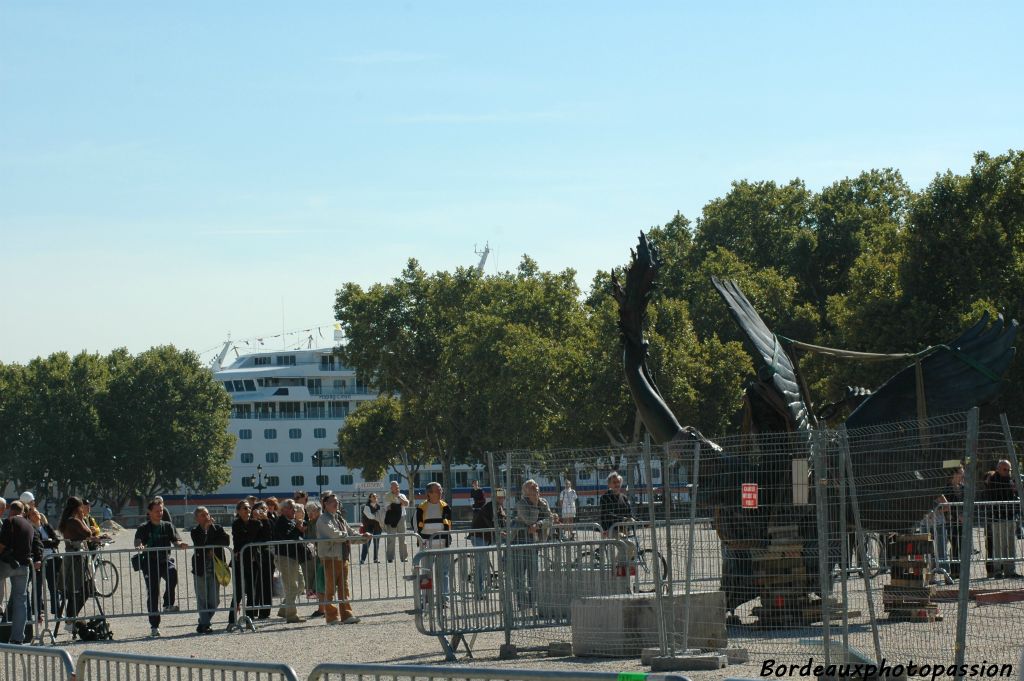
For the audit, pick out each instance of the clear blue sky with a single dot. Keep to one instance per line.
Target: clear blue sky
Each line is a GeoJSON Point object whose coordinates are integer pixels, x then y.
{"type": "Point", "coordinates": [173, 172]}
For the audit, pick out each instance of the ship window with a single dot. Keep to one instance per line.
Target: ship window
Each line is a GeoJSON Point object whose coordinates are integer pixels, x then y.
{"type": "Point", "coordinates": [396, 477]}
{"type": "Point", "coordinates": [295, 433]}
{"type": "Point", "coordinates": [323, 480]}
{"type": "Point", "coordinates": [296, 457]}
{"type": "Point", "coordinates": [656, 473]}
{"type": "Point", "coordinates": [245, 434]}
{"type": "Point", "coordinates": [271, 457]}
{"type": "Point", "coordinates": [261, 361]}
{"type": "Point", "coordinates": [270, 434]}
{"type": "Point", "coordinates": [346, 479]}
{"type": "Point", "coordinates": [583, 475]}
{"type": "Point", "coordinates": [229, 387]}
{"type": "Point", "coordinates": [239, 386]}
{"type": "Point", "coordinates": [248, 481]}
{"type": "Point", "coordinates": [273, 481]}
{"type": "Point", "coordinates": [462, 479]}
{"type": "Point", "coordinates": [320, 433]}
{"type": "Point", "coordinates": [250, 385]}
{"type": "Point", "coordinates": [286, 360]}
{"type": "Point", "coordinates": [298, 480]}
{"type": "Point", "coordinates": [245, 457]}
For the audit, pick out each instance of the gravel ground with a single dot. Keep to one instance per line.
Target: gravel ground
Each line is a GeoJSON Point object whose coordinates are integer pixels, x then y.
{"type": "Point", "coordinates": [387, 634]}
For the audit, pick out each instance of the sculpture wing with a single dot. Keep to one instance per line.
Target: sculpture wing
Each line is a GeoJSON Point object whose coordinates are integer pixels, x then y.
{"type": "Point", "coordinates": [774, 366]}
{"type": "Point", "coordinates": [963, 374]}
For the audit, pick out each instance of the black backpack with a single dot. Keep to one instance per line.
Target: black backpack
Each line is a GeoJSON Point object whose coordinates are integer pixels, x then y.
{"type": "Point", "coordinates": [95, 629]}
{"type": "Point", "coordinates": [393, 515]}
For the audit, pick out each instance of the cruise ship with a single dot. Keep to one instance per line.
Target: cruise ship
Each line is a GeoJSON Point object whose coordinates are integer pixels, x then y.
{"type": "Point", "coordinates": [287, 407]}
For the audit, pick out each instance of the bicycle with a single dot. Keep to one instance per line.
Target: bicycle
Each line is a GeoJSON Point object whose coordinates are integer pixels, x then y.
{"type": "Point", "coordinates": [645, 564]}
{"type": "Point", "coordinates": [106, 578]}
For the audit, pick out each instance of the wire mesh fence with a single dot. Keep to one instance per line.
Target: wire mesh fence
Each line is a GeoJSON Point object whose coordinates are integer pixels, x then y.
{"type": "Point", "coordinates": [813, 543]}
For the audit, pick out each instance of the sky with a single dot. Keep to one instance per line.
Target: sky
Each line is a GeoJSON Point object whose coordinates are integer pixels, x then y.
{"type": "Point", "coordinates": [178, 173]}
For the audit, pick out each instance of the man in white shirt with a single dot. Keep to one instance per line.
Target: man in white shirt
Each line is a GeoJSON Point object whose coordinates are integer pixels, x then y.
{"type": "Point", "coordinates": [394, 506]}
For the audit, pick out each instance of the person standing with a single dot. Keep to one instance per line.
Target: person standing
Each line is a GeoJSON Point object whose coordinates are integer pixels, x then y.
{"type": "Point", "coordinates": [395, 504]}
{"type": "Point", "coordinates": [477, 495]}
{"type": "Point", "coordinates": [567, 506]}
{"type": "Point", "coordinates": [614, 506]}
{"type": "Point", "coordinates": [531, 524]}
{"type": "Point", "coordinates": [51, 562]}
{"type": "Point", "coordinates": [491, 519]}
{"type": "Point", "coordinates": [75, 579]}
{"type": "Point", "coordinates": [262, 559]}
{"type": "Point", "coordinates": [335, 554]}
{"type": "Point", "coordinates": [1000, 488]}
{"type": "Point", "coordinates": [434, 524]}
{"type": "Point", "coordinates": [371, 526]}
{"type": "Point", "coordinates": [290, 558]}
{"type": "Point", "coordinates": [157, 533]}
{"type": "Point", "coordinates": [210, 540]}
{"type": "Point", "coordinates": [20, 537]}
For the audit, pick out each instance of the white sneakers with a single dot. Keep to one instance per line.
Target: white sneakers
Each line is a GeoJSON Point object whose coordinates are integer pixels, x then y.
{"type": "Point", "coordinates": [154, 633]}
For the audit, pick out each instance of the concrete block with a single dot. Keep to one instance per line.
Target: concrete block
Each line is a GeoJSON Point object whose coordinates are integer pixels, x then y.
{"type": "Point", "coordinates": [623, 625]}
{"type": "Point", "coordinates": [556, 589]}
{"type": "Point", "coordinates": [559, 649]}
{"type": "Point", "coordinates": [688, 663]}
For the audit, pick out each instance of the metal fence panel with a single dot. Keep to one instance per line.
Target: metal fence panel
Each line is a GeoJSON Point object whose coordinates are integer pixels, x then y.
{"type": "Point", "coordinates": [98, 666]}
{"type": "Point", "coordinates": [26, 663]}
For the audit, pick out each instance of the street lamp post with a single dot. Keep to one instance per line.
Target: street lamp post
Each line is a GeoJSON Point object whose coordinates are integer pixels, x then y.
{"type": "Point", "coordinates": [259, 481]}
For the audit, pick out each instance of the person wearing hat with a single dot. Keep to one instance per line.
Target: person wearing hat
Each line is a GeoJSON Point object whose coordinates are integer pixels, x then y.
{"type": "Point", "coordinates": [94, 526]}
{"type": "Point", "coordinates": [28, 499]}
{"type": "Point", "coordinates": [491, 519]}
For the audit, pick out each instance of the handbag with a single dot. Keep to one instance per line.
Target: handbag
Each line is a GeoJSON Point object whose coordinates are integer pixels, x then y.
{"type": "Point", "coordinates": [138, 562]}
{"type": "Point", "coordinates": [221, 571]}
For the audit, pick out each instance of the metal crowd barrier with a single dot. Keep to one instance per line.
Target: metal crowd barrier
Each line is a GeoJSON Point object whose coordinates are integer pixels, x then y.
{"type": "Point", "coordinates": [28, 663]}
{"type": "Point", "coordinates": [368, 582]}
{"type": "Point", "coordinates": [115, 588]}
{"type": "Point", "coordinates": [461, 592]}
{"type": "Point", "coordinates": [387, 672]}
{"type": "Point", "coordinates": [98, 666]}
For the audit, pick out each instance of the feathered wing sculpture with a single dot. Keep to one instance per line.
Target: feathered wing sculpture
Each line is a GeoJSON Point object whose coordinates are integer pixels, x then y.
{"type": "Point", "coordinates": [775, 369]}
{"type": "Point", "coordinates": [633, 298]}
{"type": "Point", "coordinates": [963, 374]}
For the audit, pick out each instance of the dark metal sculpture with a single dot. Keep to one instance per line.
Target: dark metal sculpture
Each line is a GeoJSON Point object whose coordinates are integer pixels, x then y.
{"type": "Point", "coordinates": [951, 378]}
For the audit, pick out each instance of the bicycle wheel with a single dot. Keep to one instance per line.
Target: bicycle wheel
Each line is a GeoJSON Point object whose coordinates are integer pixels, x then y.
{"type": "Point", "coordinates": [106, 578]}
{"type": "Point", "coordinates": [647, 562]}
{"type": "Point", "coordinates": [873, 550]}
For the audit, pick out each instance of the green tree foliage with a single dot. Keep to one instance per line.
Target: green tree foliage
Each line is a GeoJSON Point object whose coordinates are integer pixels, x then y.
{"type": "Point", "coordinates": [117, 427]}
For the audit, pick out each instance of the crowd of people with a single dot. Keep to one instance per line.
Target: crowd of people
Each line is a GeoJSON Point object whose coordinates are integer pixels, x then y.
{"type": "Point", "coordinates": [309, 544]}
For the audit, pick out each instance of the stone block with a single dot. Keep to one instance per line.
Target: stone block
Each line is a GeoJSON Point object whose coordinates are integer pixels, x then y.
{"type": "Point", "coordinates": [623, 625]}
{"type": "Point", "coordinates": [556, 589]}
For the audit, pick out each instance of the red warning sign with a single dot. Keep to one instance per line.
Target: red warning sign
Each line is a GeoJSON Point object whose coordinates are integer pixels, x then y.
{"type": "Point", "coordinates": [748, 495]}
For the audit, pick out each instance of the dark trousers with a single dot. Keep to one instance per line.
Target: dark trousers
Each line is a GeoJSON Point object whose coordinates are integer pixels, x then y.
{"type": "Point", "coordinates": [158, 568]}
{"type": "Point", "coordinates": [258, 583]}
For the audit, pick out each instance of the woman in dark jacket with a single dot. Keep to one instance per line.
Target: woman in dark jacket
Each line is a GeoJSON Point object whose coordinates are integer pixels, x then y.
{"type": "Point", "coordinates": [75, 574]}
{"type": "Point", "coordinates": [371, 525]}
{"type": "Point", "coordinates": [261, 561]}
{"type": "Point", "coordinates": [246, 564]}
{"type": "Point", "coordinates": [51, 563]}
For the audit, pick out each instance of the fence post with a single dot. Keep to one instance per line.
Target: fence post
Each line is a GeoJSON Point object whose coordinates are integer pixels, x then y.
{"type": "Point", "coordinates": [966, 539]}
{"type": "Point", "coordinates": [821, 502]}
{"type": "Point", "coordinates": [1014, 464]}
{"type": "Point", "coordinates": [691, 539]}
{"type": "Point", "coordinates": [666, 500]}
{"type": "Point", "coordinates": [659, 597]}
{"type": "Point", "coordinates": [844, 548]}
{"type": "Point", "coordinates": [862, 555]}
